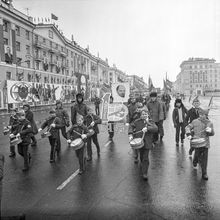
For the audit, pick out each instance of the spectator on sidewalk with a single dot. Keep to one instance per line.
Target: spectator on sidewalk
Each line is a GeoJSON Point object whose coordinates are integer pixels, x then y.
{"type": "Point", "coordinates": [97, 102]}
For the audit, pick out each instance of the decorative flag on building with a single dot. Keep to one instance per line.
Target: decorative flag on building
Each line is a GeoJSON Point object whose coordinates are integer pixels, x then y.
{"type": "Point", "coordinates": [54, 17]}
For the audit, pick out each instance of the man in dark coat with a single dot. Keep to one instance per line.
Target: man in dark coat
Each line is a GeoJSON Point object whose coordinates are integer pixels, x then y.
{"type": "Point", "coordinates": [97, 103]}
{"type": "Point", "coordinates": [79, 107]}
{"type": "Point", "coordinates": [30, 117]}
{"type": "Point", "coordinates": [63, 116]}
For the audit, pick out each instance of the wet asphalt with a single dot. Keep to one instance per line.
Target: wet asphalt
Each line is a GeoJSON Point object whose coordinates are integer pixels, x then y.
{"type": "Point", "coordinates": [112, 186]}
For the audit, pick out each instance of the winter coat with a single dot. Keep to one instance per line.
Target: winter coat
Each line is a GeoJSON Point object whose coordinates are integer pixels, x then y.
{"type": "Point", "coordinates": [97, 101]}
{"type": "Point", "coordinates": [192, 115]}
{"type": "Point", "coordinates": [197, 129]}
{"type": "Point", "coordinates": [138, 125]}
{"type": "Point", "coordinates": [89, 118]}
{"type": "Point", "coordinates": [155, 110]}
{"type": "Point", "coordinates": [63, 116]}
{"type": "Point", "coordinates": [131, 110]}
{"type": "Point", "coordinates": [54, 131]}
{"type": "Point", "coordinates": [79, 108]}
{"type": "Point", "coordinates": [175, 116]}
{"type": "Point", "coordinates": [164, 109]}
{"type": "Point", "coordinates": [30, 117]}
{"type": "Point", "coordinates": [13, 122]}
{"type": "Point", "coordinates": [25, 130]}
{"type": "Point", "coordinates": [81, 129]}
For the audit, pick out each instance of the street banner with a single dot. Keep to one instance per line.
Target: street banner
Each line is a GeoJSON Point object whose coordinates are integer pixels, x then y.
{"type": "Point", "coordinates": [117, 112]}
{"type": "Point", "coordinates": [20, 91]}
{"type": "Point", "coordinates": [105, 103]}
{"type": "Point", "coordinates": [120, 92]}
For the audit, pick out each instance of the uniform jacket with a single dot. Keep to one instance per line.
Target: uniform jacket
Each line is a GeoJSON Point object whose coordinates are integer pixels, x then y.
{"type": "Point", "coordinates": [25, 130]}
{"type": "Point", "coordinates": [197, 129]}
{"type": "Point", "coordinates": [138, 125]}
{"type": "Point", "coordinates": [13, 122]}
{"type": "Point", "coordinates": [54, 131]}
{"type": "Point", "coordinates": [191, 115]}
{"type": "Point", "coordinates": [81, 129]}
{"type": "Point", "coordinates": [155, 110]}
{"type": "Point", "coordinates": [63, 116]}
{"type": "Point", "coordinates": [91, 117]}
{"type": "Point", "coordinates": [80, 108]}
{"type": "Point", "coordinates": [30, 117]}
{"type": "Point", "coordinates": [175, 115]}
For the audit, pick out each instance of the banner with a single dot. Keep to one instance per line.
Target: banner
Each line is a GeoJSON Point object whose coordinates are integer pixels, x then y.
{"type": "Point", "coordinates": [20, 91]}
{"type": "Point", "coordinates": [117, 112]}
{"type": "Point", "coordinates": [120, 92]}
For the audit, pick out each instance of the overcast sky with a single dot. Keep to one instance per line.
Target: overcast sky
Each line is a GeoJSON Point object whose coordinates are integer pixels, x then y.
{"type": "Point", "coordinates": [142, 37]}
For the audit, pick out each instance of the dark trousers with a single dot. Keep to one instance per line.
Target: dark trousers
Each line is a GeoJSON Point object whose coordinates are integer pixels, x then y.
{"type": "Point", "coordinates": [23, 151]}
{"type": "Point", "coordinates": [12, 149]}
{"type": "Point", "coordinates": [81, 157]}
{"type": "Point", "coordinates": [34, 141]}
{"type": "Point", "coordinates": [53, 143]}
{"type": "Point", "coordinates": [201, 157]}
{"type": "Point", "coordinates": [63, 131]}
{"type": "Point", "coordinates": [155, 135]}
{"type": "Point", "coordinates": [160, 128]}
{"type": "Point", "coordinates": [97, 110]}
{"type": "Point", "coordinates": [93, 138]}
{"type": "Point", "coordinates": [180, 126]}
{"type": "Point", "coordinates": [111, 129]}
{"type": "Point", "coordinates": [144, 158]}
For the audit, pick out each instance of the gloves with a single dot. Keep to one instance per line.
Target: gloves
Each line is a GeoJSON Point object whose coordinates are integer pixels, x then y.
{"type": "Point", "coordinates": [130, 137]}
{"type": "Point", "coordinates": [208, 129]}
{"type": "Point", "coordinates": [92, 123]}
{"type": "Point", "coordinates": [53, 125]}
{"type": "Point", "coordinates": [189, 137]}
{"type": "Point", "coordinates": [68, 141]}
{"type": "Point", "coordinates": [84, 136]}
{"type": "Point", "coordinates": [126, 124]}
{"type": "Point", "coordinates": [9, 127]}
{"type": "Point", "coordinates": [40, 129]}
{"type": "Point", "coordinates": [144, 129]}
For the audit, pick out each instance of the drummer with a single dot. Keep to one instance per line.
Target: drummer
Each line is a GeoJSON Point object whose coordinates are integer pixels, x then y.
{"type": "Point", "coordinates": [79, 130]}
{"type": "Point", "coordinates": [143, 127]}
{"type": "Point", "coordinates": [92, 121]}
{"type": "Point", "coordinates": [53, 124]}
{"type": "Point", "coordinates": [23, 131]}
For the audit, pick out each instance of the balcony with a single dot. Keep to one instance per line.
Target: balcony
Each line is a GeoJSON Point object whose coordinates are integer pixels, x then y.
{"type": "Point", "coordinates": [52, 50]}
{"type": "Point", "coordinates": [63, 54]}
{"type": "Point", "coordinates": [64, 65]}
{"type": "Point", "coordinates": [53, 62]}
{"type": "Point", "coordinates": [38, 57]}
{"type": "Point", "coordinates": [38, 44]}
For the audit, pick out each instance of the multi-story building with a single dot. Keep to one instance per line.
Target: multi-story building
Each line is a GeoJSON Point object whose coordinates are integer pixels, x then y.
{"type": "Point", "coordinates": [137, 84]}
{"type": "Point", "coordinates": [116, 75]}
{"type": "Point", "coordinates": [198, 76]}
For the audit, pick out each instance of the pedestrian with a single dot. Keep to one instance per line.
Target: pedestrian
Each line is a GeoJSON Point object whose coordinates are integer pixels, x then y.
{"type": "Point", "coordinates": [79, 107]}
{"type": "Point", "coordinates": [156, 114]}
{"type": "Point", "coordinates": [62, 114]}
{"type": "Point", "coordinates": [53, 124]}
{"type": "Point", "coordinates": [24, 132]}
{"type": "Point", "coordinates": [164, 117]}
{"type": "Point", "coordinates": [198, 132]}
{"type": "Point", "coordinates": [192, 115]}
{"type": "Point", "coordinates": [79, 130]}
{"type": "Point", "coordinates": [97, 102]}
{"type": "Point", "coordinates": [30, 117]}
{"type": "Point", "coordinates": [136, 129]}
{"type": "Point", "coordinates": [13, 122]}
{"type": "Point", "coordinates": [111, 129]}
{"type": "Point", "coordinates": [2, 160]}
{"type": "Point", "coordinates": [132, 107]}
{"type": "Point", "coordinates": [92, 122]}
{"type": "Point", "coordinates": [179, 120]}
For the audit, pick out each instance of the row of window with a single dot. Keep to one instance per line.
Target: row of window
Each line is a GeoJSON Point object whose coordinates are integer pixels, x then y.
{"type": "Point", "coordinates": [200, 66]}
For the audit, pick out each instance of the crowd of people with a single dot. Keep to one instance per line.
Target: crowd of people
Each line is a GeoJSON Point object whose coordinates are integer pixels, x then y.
{"type": "Point", "coordinates": [145, 120]}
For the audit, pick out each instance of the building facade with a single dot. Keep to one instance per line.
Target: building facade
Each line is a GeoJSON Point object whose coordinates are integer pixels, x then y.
{"type": "Point", "coordinates": [198, 76]}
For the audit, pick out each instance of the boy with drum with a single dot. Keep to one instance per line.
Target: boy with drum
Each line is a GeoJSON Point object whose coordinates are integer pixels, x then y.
{"type": "Point", "coordinates": [92, 121]}
{"type": "Point", "coordinates": [143, 128]}
{"type": "Point", "coordinates": [53, 125]}
{"type": "Point", "coordinates": [79, 133]}
{"type": "Point", "coordinates": [23, 133]}
{"type": "Point", "coordinates": [198, 132]}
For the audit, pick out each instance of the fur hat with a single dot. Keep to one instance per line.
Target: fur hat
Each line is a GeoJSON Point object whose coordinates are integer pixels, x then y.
{"type": "Point", "coordinates": [153, 94]}
{"type": "Point", "coordinates": [20, 113]}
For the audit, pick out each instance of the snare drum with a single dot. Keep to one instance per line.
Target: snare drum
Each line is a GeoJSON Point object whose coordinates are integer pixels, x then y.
{"type": "Point", "coordinates": [137, 143]}
{"type": "Point", "coordinates": [15, 141]}
{"type": "Point", "coordinates": [45, 134]}
{"type": "Point", "coordinates": [77, 144]}
{"type": "Point", "coordinates": [198, 141]}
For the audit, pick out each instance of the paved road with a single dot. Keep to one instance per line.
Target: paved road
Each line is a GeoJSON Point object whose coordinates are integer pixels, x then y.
{"type": "Point", "coordinates": [112, 187]}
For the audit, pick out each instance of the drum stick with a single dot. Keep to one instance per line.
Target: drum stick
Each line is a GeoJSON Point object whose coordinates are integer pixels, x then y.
{"type": "Point", "coordinates": [77, 132]}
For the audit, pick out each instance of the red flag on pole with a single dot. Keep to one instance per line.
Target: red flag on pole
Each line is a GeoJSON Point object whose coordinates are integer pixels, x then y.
{"type": "Point", "coordinates": [54, 17]}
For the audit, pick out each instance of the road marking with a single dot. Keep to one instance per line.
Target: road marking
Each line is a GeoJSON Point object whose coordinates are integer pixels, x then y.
{"type": "Point", "coordinates": [107, 143]}
{"type": "Point", "coordinates": [68, 180]}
